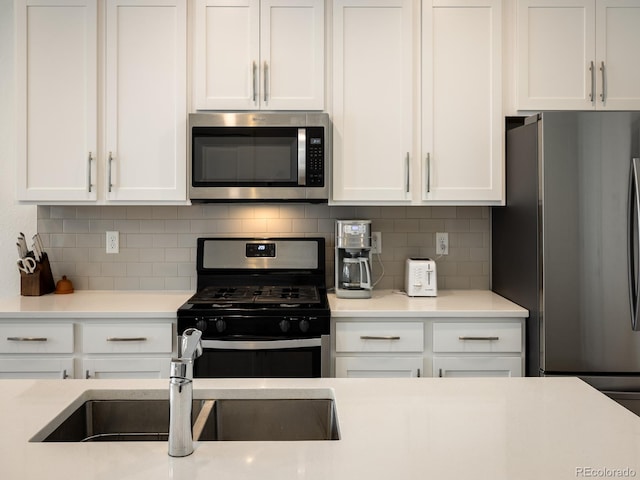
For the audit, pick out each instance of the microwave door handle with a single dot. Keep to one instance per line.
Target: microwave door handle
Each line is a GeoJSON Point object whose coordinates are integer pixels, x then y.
{"type": "Point", "coordinates": [302, 156]}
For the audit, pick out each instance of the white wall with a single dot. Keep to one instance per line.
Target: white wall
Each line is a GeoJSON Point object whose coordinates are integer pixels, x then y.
{"type": "Point", "coordinates": [14, 218]}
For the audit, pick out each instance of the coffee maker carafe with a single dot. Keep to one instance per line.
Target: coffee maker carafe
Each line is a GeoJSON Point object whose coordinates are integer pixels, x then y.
{"type": "Point", "coordinates": [353, 259]}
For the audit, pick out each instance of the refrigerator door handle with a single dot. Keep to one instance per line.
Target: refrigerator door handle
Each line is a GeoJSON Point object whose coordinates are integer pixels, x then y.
{"type": "Point", "coordinates": [632, 242]}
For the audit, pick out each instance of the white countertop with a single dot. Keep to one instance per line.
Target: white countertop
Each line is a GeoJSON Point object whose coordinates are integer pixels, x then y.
{"type": "Point", "coordinates": [163, 304]}
{"type": "Point", "coordinates": [448, 303]}
{"type": "Point", "coordinates": [427, 428]}
{"type": "Point", "coordinates": [94, 304]}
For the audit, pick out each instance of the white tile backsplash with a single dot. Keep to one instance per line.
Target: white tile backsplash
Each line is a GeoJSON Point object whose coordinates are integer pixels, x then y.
{"type": "Point", "coordinates": [158, 244]}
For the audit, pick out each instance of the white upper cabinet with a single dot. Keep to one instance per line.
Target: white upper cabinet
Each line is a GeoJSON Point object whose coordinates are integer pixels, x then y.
{"type": "Point", "coordinates": [56, 63]}
{"type": "Point", "coordinates": [578, 55]}
{"type": "Point", "coordinates": [139, 155]}
{"type": "Point", "coordinates": [146, 109]}
{"type": "Point", "coordinates": [373, 100]}
{"type": "Point", "coordinates": [462, 122]}
{"type": "Point", "coordinates": [259, 54]}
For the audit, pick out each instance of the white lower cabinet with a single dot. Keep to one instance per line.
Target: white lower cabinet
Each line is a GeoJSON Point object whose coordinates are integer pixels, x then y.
{"type": "Point", "coordinates": [379, 349]}
{"type": "Point", "coordinates": [379, 367]}
{"type": "Point", "coordinates": [478, 349]}
{"type": "Point", "coordinates": [86, 348]}
{"type": "Point", "coordinates": [36, 350]}
{"type": "Point", "coordinates": [451, 347]}
{"type": "Point", "coordinates": [477, 367]}
{"type": "Point", "coordinates": [130, 349]}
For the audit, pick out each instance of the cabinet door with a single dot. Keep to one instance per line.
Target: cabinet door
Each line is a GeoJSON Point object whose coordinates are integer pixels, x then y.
{"type": "Point", "coordinates": [36, 367]}
{"type": "Point", "coordinates": [462, 101]}
{"type": "Point", "coordinates": [227, 54]}
{"type": "Point", "coordinates": [477, 366]}
{"type": "Point", "coordinates": [145, 82]}
{"type": "Point", "coordinates": [292, 54]}
{"type": "Point", "coordinates": [373, 50]}
{"type": "Point", "coordinates": [126, 367]}
{"type": "Point", "coordinates": [556, 65]}
{"type": "Point", "coordinates": [378, 367]}
{"type": "Point", "coordinates": [618, 62]}
{"type": "Point", "coordinates": [56, 65]}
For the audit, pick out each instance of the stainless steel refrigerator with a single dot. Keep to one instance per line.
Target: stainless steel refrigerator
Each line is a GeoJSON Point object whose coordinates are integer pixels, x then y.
{"type": "Point", "coordinates": [565, 246]}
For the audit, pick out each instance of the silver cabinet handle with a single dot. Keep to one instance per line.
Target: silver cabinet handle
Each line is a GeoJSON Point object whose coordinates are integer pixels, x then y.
{"type": "Point", "coordinates": [255, 90]}
{"type": "Point", "coordinates": [126, 339]}
{"type": "Point", "coordinates": [440, 372]}
{"type": "Point", "coordinates": [428, 172]}
{"type": "Point", "coordinates": [603, 95]}
{"type": "Point", "coordinates": [86, 374]}
{"type": "Point", "coordinates": [484, 339]}
{"type": "Point", "coordinates": [592, 95]}
{"type": "Point", "coordinates": [110, 162]}
{"type": "Point", "coordinates": [633, 218]}
{"type": "Point", "coordinates": [264, 81]}
{"type": "Point", "coordinates": [89, 184]}
{"type": "Point", "coordinates": [419, 375]}
{"type": "Point", "coordinates": [65, 374]}
{"type": "Point", "coordinates": [379, 337]}
{"type": "Point", "coordinates": [27, 339]}
{"type": "Point", "coordinates": [408, 174]}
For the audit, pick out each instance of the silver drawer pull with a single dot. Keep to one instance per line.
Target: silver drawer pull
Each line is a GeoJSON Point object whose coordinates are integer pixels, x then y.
{"type": "Point", "coordinates": [27, 339]}
{"type": "Point", "coordinates": [381, 337]}
{"type": "Point", "coordinates": [126, 339]}
{"type": "Point", "coordinates": [486, 339]}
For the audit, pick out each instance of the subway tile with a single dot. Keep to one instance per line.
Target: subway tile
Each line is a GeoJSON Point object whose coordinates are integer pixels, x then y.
{"type": "Point", "coordinates": [113, 212]}
{"type": "Point", "coordinates": [206, 226]}
{"type": "Point", "coordinates": [215, 211]}
{"type": "Point", "coordinates": [186, 269]}
{"type": "Point", "coordinates": [138, 212]}
{"type": "Point", "coordinates": [73, 255]}
{"type": "Point", "coordinates": [460, 283]}
{"type": "Point", "coordinates": [177, 283]}
{"type": "Point", "coordinates": [338, 212]}
{"type": "Point", "coordinates": [476, 254]}
{"type": "Point", "coordinates": [139, 240]}
{"type": "Point", "coordinates": [100, 226]}
{"type": "Point", "coordinates": [90, 212]}
{"type": "Point", "coordinates": [469, 239]}
{"type": "Point", "coordinates": [50, 225]}
{"type": "Point", "coordinates": [177, 226]}
{"type": "Point", "coordinates": [393, 240]}
{"type": "Point", "coordinates": [228, 226]}
{"type": "Point", "coordinates": [417, 239]}
{"type": "Point", "coordinates": [191, 212]}
{"type": "Point", "coordinates": [382, 225]}
{"type": "Point", "coordinates": [75, 226]}
{"type": "Point", "coordinates": [443, 212]}
{"type": "Point", "coordinates": [479, 283]}
{"type": "Point", "coordinates": [266, 211]}
{"type": "Point", "coordinates": [279, 225]}
{"type": "Point", "coordinates": [94, 240]}
{"type": "Point", "coordinates": [369, 213]}
{"type": "Point", "coordinates": [164, 213]}
{"type": "Point", "coordinates": [79, 283]}
{"type": "Point", "coordinates": [254, 225]}
{"type": "Point", "coordinates": [58, 269]}
{"type": "Point", "coordinates": [406, 225]}
{"type": "Point", "coordinates": [326, 225]}
{"type": "Point", "coordinates": [88, 269]}
{"type": "Point", "coordinates": [140, 269]}
{"type": "Point", "coordinates": [151, 255]}
{"type": "Point", "coordinates": [126, 283]}
{"type": "Point", "coordinates": [479, 225]}
{"type": "Point", "coordinates": [101, 283]}
{"type": "Point", "coordinates": [126, 226]}
{"type": "Point", "coordinates": [63, 212]}
{"type": "Point", "coordinates": [469, 212]}
{"type": "Point", "coordinates": [305, 225]}
{"type": "Point", "coordinates": [393, 212]}
{"type": "Point", "coordinates": [470, 269]}
{"type": "Point", "coordinates": [419, 212]}
{"type": "Point", "coordinates": [187, 240]}
{"type": "Point", "coordinates": [43, 212]}
{"type": "Point", "coordinates": [241, 211]}
{"type": "Point", "coordinates": [62, 240]}
{"type": "Point", "coordinates": [113, 269]}
{"type": "Point", "coordinates": [165, 240]}
{"type": "Point", "coordinates": [151, 283]}
{"type": "Point", "coordinates": [292, 211]}
{"type": "Point", "coordinates": [177, 254]}
{"type": "Point", "coordinates": [152, 226]}
{"type": "Point", "coordinates": [432, 225]}
{"type": "Point", "coordinates": [165, 269]}
{"type": "Point", "coordinates": [317, 211]}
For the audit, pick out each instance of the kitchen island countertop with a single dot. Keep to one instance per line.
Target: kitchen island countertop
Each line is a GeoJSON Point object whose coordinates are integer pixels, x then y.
{"type": "Point", "coordinates": [515, 428]}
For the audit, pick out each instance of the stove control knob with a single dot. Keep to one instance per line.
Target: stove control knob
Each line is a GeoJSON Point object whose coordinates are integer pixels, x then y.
{"type": "Point", "coordinates": [285, 325]}
{"type": "Point", "coordinates": [201, 325]}
{"type": "Point", "coordinates": [221, 325]}
{"type": "Point", "coordinates": [304, 325]}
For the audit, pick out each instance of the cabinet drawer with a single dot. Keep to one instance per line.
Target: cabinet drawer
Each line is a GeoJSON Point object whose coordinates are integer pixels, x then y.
{"type": "Point", "coordinates": [477, 366]}
{"type": "Point", "coordinates": [127, 338]}
{"type": "Point", "coordinates": [378, 367]}
{"type": "Point", "coordinates": [379, 337]}
{"type": "Point", "coordinates": [477, 337]}
{"type": "Point", "coordinates": [36, 338]}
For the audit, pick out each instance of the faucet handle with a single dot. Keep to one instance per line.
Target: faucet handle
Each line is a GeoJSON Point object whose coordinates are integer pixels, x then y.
{"type": "Point", "coordinates": [191, 347]}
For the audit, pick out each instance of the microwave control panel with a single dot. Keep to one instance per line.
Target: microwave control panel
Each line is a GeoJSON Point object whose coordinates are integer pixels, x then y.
{"type": "Point", "coordinates": [315, 157]}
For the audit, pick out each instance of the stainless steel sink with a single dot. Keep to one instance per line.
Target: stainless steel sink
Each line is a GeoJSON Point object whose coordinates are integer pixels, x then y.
{"type": "Point", "coordinates": [269, 419]}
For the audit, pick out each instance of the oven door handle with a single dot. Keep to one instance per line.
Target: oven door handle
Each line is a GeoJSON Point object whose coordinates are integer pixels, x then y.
{"type": "Point", "coordinates": [261, 344]}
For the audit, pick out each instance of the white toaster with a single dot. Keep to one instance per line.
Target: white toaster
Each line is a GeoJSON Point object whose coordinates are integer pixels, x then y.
{"type": "Point", "coordinates": [420, 278]}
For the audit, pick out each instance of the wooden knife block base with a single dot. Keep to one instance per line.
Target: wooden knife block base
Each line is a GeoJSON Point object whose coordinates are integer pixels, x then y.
{"type": "Point", "coordinates": [40, 282]}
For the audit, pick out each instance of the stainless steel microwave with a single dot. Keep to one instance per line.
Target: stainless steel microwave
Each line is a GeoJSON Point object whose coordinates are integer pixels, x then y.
{"type": "Point", "coordinates": [259, 157]}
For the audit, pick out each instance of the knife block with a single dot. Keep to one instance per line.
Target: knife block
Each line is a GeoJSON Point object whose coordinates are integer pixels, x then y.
{"type": "Point", "coordinates": [40, 282]}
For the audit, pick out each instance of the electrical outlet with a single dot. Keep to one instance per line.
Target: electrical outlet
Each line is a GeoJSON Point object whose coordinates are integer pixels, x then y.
{"type": "Point", "coordinates": [376, 242]}
{"type": "Point", "coordinates": [442, 243]}
{"type": "Point", "coordinates": [113, 242]}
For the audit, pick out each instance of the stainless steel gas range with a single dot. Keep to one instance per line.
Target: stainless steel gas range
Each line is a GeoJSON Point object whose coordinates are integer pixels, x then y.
{"type": "Point", "coordinates": [261, 304]}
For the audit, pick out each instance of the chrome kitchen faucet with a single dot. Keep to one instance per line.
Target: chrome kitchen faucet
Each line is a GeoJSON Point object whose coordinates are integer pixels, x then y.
{"type": "Point", "coordinates": [181, 394]}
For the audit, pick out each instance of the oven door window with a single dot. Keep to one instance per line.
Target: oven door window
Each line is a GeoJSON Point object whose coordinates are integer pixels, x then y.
{"type": "Point", "coordinates": [302, 362]}
{"type": "Point", "coordinates": [244, 156]}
